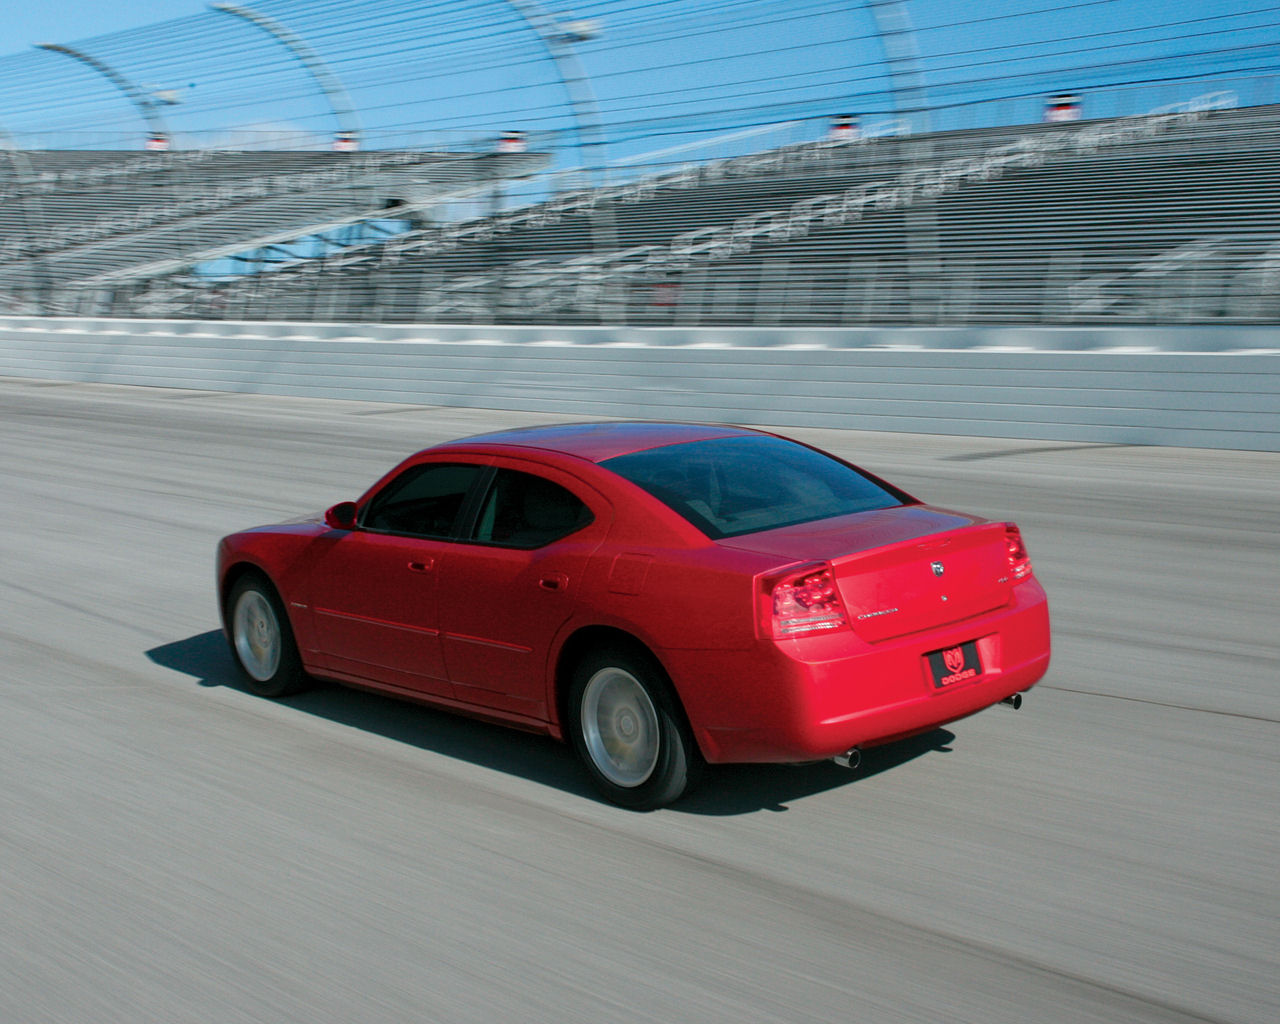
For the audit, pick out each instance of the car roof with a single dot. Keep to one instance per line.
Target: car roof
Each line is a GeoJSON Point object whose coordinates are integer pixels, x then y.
{"type": "Point", "coordinates": [596, 442]}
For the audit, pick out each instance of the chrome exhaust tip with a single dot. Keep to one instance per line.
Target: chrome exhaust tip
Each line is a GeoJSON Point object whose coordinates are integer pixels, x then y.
{"type": "Point", "coordinates": [849, 759]}
{"type": "Point", "coordinates": [1014, 702]}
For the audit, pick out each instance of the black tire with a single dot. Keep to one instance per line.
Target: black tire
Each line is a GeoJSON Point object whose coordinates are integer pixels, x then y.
{"type": "Point", "coordinates": [629, 731]}
{"type": "Point", "coordinates": [262, 640]}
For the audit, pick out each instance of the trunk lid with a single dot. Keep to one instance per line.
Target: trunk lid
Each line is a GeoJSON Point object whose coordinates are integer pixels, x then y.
{"type": "Point", "coordinates": [901, 570]}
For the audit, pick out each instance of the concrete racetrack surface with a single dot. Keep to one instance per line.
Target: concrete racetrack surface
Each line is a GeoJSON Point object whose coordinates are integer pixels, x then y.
{"type": "Point", "coordinates": [175, 849]}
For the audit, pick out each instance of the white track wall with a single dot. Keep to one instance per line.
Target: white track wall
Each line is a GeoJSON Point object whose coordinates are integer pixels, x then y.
{"type": "Point", "coordinates": [1190, 386]}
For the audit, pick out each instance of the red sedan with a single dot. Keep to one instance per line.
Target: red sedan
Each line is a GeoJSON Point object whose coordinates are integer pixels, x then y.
{"type": "Point", "coordinates": [662, 595]}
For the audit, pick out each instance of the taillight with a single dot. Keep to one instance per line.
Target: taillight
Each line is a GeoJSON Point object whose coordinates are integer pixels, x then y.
{"type": "Point", "coordinates": [1019, 560]}
{"type": "Point", "coordinates": [804, 602]}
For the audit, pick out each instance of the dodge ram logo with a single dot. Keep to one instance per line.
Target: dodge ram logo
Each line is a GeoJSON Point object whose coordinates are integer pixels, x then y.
{"type": "Point", "coordinates": [954, 658]}
{"type": "Point", "coordinates": [938, 568]}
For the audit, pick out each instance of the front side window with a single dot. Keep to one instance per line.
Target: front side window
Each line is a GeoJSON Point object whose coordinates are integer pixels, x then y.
{"type": "Point", "coordinates": [526, 511]}
{"type": "Point", "coordinates": [423, 501]}
{"type": "Point", "coordinates": [730, 486]}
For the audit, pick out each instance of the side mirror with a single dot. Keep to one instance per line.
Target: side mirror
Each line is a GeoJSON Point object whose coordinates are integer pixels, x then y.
{"type": "Point", "coordinates": [342, 516]}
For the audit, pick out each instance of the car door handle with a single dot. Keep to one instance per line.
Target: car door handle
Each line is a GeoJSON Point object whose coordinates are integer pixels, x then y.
{"type": "Point", "coordinates": [554, 581]}
{"type": "Point", "coordinates": [423, 566]}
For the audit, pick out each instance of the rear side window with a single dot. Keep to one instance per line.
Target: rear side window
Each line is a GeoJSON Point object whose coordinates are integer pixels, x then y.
{"type": "Point", "coordinates": [731, 486]}
{"type": "Point", "coordinates": [526, 511]}
{"type": "Point", "coordinates": [423, 501]}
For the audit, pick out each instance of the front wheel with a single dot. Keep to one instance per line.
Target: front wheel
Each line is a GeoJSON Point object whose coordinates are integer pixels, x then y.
{"type": "Point", "coordinates": [629, 732]}
{"type": "Point", "coordinates": [261, 639]}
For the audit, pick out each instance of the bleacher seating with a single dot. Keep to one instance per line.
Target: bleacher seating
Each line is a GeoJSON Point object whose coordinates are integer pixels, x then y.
{"type": "Point", "coordinates": [1170, 217]}
{"type": "Point", "coordinates": [76, 222]}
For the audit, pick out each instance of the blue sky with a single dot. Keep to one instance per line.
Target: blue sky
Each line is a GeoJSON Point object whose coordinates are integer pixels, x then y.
{"type": "Point", "coordinates": [664, 71]}
{"type": "Point", "coordinates": [50, 21]}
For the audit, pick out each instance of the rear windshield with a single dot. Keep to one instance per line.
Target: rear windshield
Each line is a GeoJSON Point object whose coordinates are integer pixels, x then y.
{"type": "Point", "coordinates": [735, 485]}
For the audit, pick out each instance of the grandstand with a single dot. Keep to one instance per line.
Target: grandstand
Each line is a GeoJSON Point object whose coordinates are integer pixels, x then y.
{"type": "Point", "coordinates": [870, 216]}
{"type": "Point", "coordinates": [1170, 217]}
{"type": "Point", "coordinates": [77, 226]}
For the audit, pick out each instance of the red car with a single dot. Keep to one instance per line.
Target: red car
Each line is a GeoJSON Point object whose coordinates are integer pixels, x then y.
{"type": "Point", "coordinates": [663, 595]}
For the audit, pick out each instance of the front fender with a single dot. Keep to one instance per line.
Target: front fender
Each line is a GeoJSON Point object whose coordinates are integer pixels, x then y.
{"type": "Point", "coordinates": [284, 555]}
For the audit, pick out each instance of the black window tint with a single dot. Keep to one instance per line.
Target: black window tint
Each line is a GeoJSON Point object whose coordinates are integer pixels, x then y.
{"type": "Point", "coordinates": [423, 501]}
{"type": "Point", "coordinates": [735, 485]}
{"type": "Point", "coordinates": [525, 511]}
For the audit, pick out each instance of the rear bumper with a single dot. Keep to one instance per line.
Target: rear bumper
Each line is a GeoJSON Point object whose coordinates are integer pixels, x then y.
{"type": "Point", "coordinates": [809, 699]}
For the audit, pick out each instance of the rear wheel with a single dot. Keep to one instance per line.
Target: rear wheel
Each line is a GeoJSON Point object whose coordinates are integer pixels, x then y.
{"type": "Point", "coordinates": [262, 640]}
{"type": "Point", "coordinates": [629, 731]}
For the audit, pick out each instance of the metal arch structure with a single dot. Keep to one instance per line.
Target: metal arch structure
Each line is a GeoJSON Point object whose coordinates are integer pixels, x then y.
{"type": "Point", "coordinates": [334, 91]}
{"type": "Point", "coordinates": [558, 37]}
{"type": "Point", "coordinates": [146, 106]}
{"type": "Point", "coordinates": [898, 37]}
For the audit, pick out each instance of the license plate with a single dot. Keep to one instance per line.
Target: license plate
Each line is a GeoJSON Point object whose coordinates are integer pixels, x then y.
{"type": "Point", "coordinates": [955, 664]}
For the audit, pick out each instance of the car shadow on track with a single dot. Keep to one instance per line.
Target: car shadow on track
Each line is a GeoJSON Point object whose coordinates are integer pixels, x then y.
{"type": "Point", "coordinates": [745, 788]}
{"type": "Point", "coordinates": [725, 789]}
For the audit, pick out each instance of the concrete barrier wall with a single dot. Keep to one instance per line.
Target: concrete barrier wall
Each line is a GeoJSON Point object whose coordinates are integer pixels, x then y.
{"type": "Point", "coordinates": [1191, 386]}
